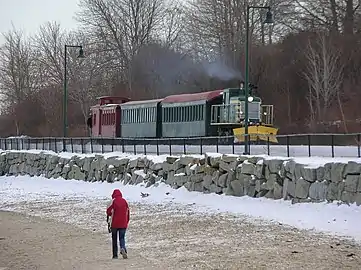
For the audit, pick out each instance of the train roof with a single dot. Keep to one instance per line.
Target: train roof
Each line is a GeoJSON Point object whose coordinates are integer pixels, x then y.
{"type": "Point", "coordinates": [207, 96]}
{"type": "Point", "coordinates": [139, 102]}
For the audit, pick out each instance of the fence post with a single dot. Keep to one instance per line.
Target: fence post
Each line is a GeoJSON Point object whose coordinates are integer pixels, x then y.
{"type": "Point", "coordinates": [113, 144]}
{"type": "Point", "coordinates": [268, 148]}
{"type": "Point", "coordinates": [17, 144]}
{"type": "Point", "coordinates": [145, 147]}
{"type": "Point", "coordinates": [309, 145]}
{"type": "Point", "coordinates": [82, 145]}
{"type": "Point", "coordinates": [217, 145]}
{"type": "Point", "coordinates": [332, 145]}
{"type": "Point", "coordinates": [201, 144]}
{"type": "Point", "coordinates": [134, 148]}
{"type": "Point", "coordinates": [184, 146]}
{"type": "Point", "coordinates": [36, 145]}
{"type": "Point", "coordinates": [358, 145]}
{"type": "Point", "coordinates": [71, 143]}
{"type": "Point", "coordinates": [64, 145]}
{"type": "Point", "coordinates": [91, 145]}
{"type": "Point", "coordinates": [288, 146]}
{"type": "Point", "coordinates": [170, 147]}
{"type": "Point", "coordinates": [43, 143]}
{"type": "Point", "coordinates": [157, 147]}
{"type": "Point", "coordinates": [233, 147]}
{"type": "Point", "coordinates": [11, 144]}
{"type": "Point", "coordinates": [56, 147]}
{"type": "Point", "coordinates": [123, 147]}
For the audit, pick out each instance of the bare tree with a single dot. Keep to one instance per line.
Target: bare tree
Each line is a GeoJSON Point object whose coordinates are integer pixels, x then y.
{"type": "Point", "coordinates": [18, 78]}
{"type": "Point", "coordinates": [49, 43]}
{"type": "Point", "coordinates": [124, 26]}
{"type": "Point", "coordinates": [324, 76]}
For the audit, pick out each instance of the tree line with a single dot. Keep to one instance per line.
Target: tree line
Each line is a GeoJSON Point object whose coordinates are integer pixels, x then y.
{"type": "Point", "coordinates": [307, 64]}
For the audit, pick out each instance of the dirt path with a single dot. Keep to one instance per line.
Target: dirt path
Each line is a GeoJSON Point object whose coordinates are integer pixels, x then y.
{"type": "Point", "coordinates": [163, 238]}
{"type": "Point", "coordinates": [31, 243]}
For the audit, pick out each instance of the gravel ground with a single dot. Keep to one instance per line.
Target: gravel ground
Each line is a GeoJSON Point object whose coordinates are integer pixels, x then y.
{"type": "Point", "coordinates": [161, 237]}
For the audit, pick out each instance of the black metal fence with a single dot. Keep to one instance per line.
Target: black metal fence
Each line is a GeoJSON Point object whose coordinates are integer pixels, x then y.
{"type": "Point", "coordinates": [294, 145]}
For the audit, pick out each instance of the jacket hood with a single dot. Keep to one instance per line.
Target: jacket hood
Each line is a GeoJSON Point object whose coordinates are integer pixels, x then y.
{"type": "Point", "coordinates": [117, 193]}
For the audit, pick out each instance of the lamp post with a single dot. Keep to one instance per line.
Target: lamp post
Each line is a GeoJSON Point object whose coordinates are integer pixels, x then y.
{"type": "Point", "coordinates": [65, 97]}
{"type": "Point", "coordinates": [269, 20]}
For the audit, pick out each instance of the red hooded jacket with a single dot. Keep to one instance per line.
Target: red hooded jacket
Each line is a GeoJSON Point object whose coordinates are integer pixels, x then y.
{"type": "Point", "coordinates": [119, 211]}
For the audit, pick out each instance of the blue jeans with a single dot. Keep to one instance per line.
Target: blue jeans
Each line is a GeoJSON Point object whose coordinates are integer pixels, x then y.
{"type": "Point", "coordinates": [115, 232]}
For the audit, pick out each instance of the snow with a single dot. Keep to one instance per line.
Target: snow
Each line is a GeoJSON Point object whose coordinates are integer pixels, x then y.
{"type": "Point", "coordinates": [140, 172]}
{"type": "Point", "coordinates": [334, 219]}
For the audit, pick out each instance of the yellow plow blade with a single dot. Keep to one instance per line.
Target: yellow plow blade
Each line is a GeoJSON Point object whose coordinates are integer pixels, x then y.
{"type": "Point", "coordinates": [261, 133]}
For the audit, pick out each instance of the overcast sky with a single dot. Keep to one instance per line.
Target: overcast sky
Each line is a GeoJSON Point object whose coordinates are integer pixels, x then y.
{"type": "Point", "coordinates": [28, 15]}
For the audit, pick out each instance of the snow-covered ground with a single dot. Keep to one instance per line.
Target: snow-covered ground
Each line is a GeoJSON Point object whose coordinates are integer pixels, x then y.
{"type": "Point", "coordinates": [339, 220]}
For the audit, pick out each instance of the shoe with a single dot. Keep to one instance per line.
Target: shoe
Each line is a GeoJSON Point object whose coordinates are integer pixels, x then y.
{"type": "Point", "coordinates": [115, 257]}
{"type": "Point", "coordinates": [124, 253]}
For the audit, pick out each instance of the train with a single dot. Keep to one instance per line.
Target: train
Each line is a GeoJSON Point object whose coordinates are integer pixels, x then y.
{"type": "Point", "coordinates": [203, 114]}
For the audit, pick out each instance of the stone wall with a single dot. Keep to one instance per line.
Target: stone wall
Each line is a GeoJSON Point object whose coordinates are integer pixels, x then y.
{"type": "Point", "coordinates": [224, 174]}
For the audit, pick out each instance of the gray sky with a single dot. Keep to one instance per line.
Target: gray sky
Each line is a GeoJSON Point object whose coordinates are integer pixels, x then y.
{"type": "Point", "coordinates": [28, 15]}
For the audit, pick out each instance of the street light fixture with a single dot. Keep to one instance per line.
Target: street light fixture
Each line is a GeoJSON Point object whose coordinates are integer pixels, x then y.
{"type": "Point", "coordinates": [65, 101]}
{"type": "Point", "coordinates": [268, 20]}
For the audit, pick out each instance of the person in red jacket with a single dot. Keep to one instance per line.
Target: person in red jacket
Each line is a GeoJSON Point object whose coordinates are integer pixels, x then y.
{"type": "Point", "coordinates": [119, 211]}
